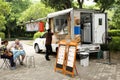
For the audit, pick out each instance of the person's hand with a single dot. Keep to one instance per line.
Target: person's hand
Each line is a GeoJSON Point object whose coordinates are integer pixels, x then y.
{"type": "Point", "coordinates": [17, 46]}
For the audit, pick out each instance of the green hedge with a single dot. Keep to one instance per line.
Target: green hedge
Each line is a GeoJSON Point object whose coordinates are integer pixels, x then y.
{"type": "Point", "coordinates": [114, 45]}
{"type": "Point", "coordinates": [114, 32]}
{"type": "Point", "coordinates": [2, 35]}
{"type": "Point", "coordinates": [38, 34]}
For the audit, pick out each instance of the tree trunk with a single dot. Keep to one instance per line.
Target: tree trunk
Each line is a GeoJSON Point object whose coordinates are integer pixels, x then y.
{"type": "Point", "coordinates": [9, 36]}
{"type": "Point", "coordinates": [80, 3]}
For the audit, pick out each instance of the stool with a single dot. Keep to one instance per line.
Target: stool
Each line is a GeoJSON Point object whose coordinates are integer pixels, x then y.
{"type": "Point", "coordinates": [5, 64]}
{"type": "Point", "coordinates": [30, 61]}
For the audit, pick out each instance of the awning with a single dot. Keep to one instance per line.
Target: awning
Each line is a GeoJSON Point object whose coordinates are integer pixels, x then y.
{"type": "Point", "coordinates": [54, 14]}
{"type": "Point", "coordinates": [37, 20]}
{"type": "Point", "coordinates": [50, 15]}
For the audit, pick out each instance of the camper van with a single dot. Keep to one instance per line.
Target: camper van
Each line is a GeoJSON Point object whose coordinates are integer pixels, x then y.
{"type": "Point", "coordinates": [87, 27]}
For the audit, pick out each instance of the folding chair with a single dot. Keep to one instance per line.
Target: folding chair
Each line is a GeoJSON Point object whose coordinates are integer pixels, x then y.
{"type": "Point", "coordinates": [5, 63]}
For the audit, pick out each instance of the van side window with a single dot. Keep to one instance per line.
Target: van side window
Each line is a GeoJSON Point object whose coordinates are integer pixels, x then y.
{"type": "Point", "coordinates": [43, 36]}
{"type": "Point", "coordinates": [100, 21]}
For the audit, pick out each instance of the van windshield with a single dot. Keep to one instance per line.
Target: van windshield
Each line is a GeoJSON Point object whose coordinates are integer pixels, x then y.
{"type": "Point", "coordinates": [43, 36]}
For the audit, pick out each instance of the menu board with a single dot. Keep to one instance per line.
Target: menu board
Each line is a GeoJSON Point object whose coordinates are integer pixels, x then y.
{"type": "Point", "coordinates": [61, 56]}
{"type": "Point", "coordinates": [71, 58]}
{"type": "Point", "coordinates": [66, 57]}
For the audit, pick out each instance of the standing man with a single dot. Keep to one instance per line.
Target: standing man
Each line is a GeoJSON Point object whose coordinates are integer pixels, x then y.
{"type": "Point", "coordinates": [48, 44]}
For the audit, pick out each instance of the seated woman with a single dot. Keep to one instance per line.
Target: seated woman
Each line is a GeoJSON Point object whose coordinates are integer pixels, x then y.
{"type": "Point", "coordinates": [6, 54]}
{"type": "Point", "coordinates": [17, 50]}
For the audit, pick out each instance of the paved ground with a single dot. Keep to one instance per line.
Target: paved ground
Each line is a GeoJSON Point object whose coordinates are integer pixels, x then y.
{"type": "Point", "coordinates": [44, 70]}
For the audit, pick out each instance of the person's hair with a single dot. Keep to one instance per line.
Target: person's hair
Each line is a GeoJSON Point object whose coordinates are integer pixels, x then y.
{"type": "Point", "coordinates": [16, 39]}
{"type": "Point", "coordinates": [49, 30]}
{"type": "Point", "coordinates": [3, 42]}
{"type": "Point", "coordinates": [65, 21]}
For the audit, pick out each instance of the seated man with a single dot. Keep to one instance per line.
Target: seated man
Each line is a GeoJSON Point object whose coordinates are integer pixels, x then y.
{"type": "Point", "coordinates": [18, 51]}
{"type": "Point", "coordinates": [6, 54]}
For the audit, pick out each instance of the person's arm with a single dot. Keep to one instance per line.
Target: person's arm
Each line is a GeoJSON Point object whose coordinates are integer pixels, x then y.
{"type": "Point", "coordinates": [52, 33]}
{"type": "Point", "coordinates": [7, 52]}
{"type": "Point", "coordinates": [21, 46]}
{"type": "Point", "coordinates": [11, 47]}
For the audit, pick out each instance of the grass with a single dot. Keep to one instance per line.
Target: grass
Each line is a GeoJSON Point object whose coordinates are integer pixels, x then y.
{"type": "Point", "coordinates": [29, 42]}
{"type": "Point", "coordinates": [20, 38]}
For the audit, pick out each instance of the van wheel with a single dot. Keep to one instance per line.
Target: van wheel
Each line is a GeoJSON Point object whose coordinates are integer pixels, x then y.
{"type": "Point", "coordinates": [37, 49]}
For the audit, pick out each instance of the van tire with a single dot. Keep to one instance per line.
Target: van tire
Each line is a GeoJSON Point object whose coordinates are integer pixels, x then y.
{"type": "Point", "coordinates": [37, 49]}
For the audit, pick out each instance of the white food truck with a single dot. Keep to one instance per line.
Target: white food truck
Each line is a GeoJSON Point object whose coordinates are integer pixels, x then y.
{"type": "Point", "coordinates": [89, 26]}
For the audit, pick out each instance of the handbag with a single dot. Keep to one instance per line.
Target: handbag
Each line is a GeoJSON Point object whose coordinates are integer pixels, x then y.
{"type": "Point", "coordinates": [8, 53]}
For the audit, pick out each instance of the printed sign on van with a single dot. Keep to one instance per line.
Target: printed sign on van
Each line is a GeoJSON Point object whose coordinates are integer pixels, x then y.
{"type": "Point", "coordinates": [32, 26]}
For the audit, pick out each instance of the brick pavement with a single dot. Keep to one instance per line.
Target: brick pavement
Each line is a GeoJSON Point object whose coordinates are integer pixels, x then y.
{"type": "Point", "coordinates": [44, 70]}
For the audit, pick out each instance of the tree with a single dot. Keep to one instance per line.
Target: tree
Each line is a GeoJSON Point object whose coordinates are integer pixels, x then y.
{"type": "Point", "coordinates": [116, 16]}
{"type": "Point", "coordinates": [104, 4]}
{"type": "Point", "coordinates": [35, 11]}
{"type": "Point", "coordinates": [59, 4]}
{"type": "Point", "coordinates": [80, 3]}
{"type": "Point", "coordinates": [4, 10]}
{"type": "Point", "coordinates": [17, 6]}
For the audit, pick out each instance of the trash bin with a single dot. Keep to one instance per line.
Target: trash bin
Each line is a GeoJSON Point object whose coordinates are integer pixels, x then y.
{"type": "Point", "coordinates": [105, 54]}
{"type": "Point", "coordinates": [84, 59]}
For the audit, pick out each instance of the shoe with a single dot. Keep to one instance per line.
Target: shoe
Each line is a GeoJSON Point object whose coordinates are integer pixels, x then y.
{"type": "Point", "coordinates": [21, 63]}
{"type": "Point", "coordinates": [14, 64]}
{"type": "Point", "coordinates": [47, 59]}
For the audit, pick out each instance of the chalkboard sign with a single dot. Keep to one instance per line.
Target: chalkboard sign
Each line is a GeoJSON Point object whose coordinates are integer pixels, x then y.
{"type": "Point", "coordinates": [61, 56]}
{"type": "Point", "coordinates": [71, 58]}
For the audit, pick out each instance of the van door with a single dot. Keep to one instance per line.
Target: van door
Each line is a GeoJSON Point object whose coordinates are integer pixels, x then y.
{"type": "Point", "coordinates": [100, 27]}
{"type": "Point", "coordinates": [86, 27]}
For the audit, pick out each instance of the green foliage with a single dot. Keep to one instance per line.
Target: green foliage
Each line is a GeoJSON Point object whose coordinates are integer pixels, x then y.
{"type": "Point", "coordinates": [104, 4]}
{"type": "Point", "coordinates": [17, 6]}
{"type": "Point", "coordinates": [116, 16]}
{"type": "Point", "coordinates": [59, 4]}
{"type": "Point", "coordinates": [38, 34]}
{"type": "Point", "coordinates": [2, 35]}
{"type": "Point", "coordinates": [4, 10]}
{"type": "Point", "coordinates": [114, 32]}
{"type": "Point", "coordinates": [114, 45]}
{"type": "Point", "coordinates": [104, 47]}
{"type": "Point", "coordinates": [35, 11]}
